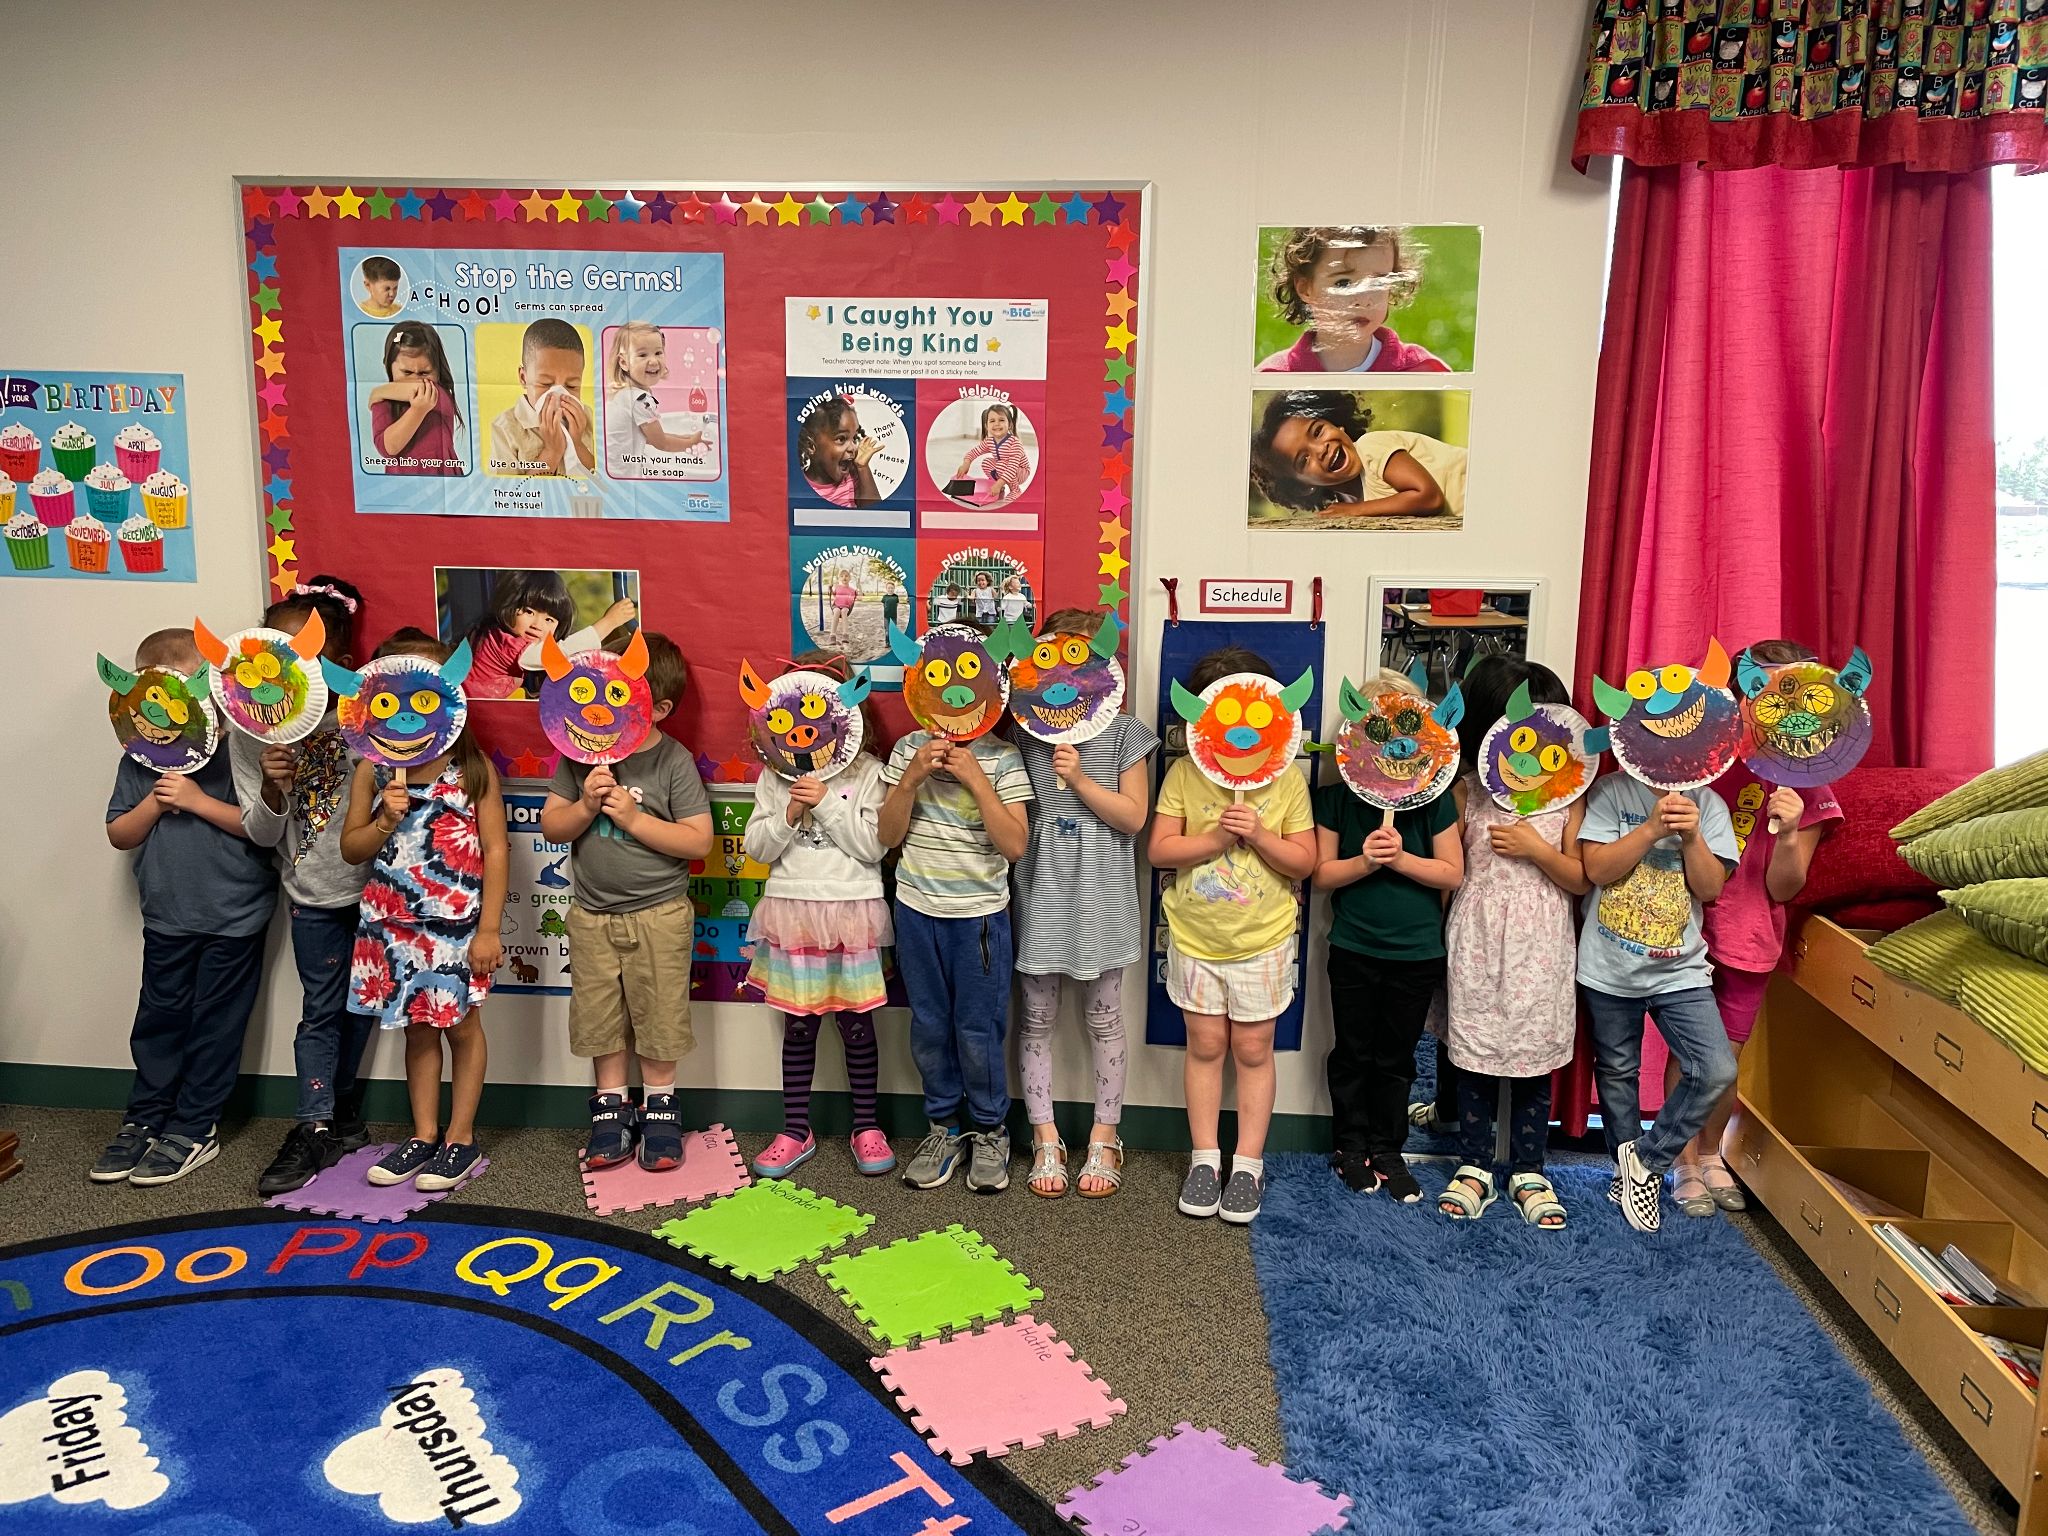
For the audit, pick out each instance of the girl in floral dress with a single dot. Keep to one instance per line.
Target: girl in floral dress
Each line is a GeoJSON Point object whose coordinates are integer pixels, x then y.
{"type": "Point", "coordinates": [1512, 958]}
{"type": "Point", "coordinates": [428, 941]}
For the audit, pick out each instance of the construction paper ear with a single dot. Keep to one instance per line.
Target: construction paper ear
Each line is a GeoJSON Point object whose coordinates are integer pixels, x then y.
{"type": "Point", "coordinates": [1714, 670]}
{"type": "Point", "coordinates": [341, 682]}
{"type": "Point", "coordinates": [1856, 672]}
{"type": "Point", "coordinates": [456, 668]}
{"type": "Point", "coordinates": [1418, 673]}
{"type": "Point", "coordinates": [1477, 657]}
{"type": "Point", "coordinates": [1452, 710]}
{"type": "Point", "coordinates": [1296, 693]}
{"type": "Point", "coordinates": [210, 645]}
{"type": "Point", "coordinates": [1009, 638]}
{"type": "Point", "coordinates": [1188, 706]}
{"type": "Point", "coordinates": [752, 689]}
{"type": "Point", "coordinates": [552, 660]}
{"type": "Point", "coordinates": [1355, 705]}
{"type": "Point", "coordinates": [1595, 741]}
{"type": "Point", "coordinates": [1520, 705]}
{"type": "Point", "coordinates": [1104, 643]}
{"type": "Point", "coordinates": [197, 681]}
{"type": "Point", "coordinates": [312, 639]}
{"type": "Point", "coordinates": [855, 690]}
{"type": "Point", "coordinates": [115, 677]}
{"type": "Point", "coordinates": [1750, 676]}
{"type": "Point", "coordinates": [903, 648]}
{"type": "Point", "coordinates": [1612, 701]}
{"type": "Point", "coordinates": [633, 660]}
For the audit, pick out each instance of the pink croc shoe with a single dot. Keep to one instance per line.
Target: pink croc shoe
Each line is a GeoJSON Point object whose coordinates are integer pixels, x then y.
{"type": "Point", "coordinates": [784, 1155]}
{"type": "Point", "coordinates": [871, 1154]}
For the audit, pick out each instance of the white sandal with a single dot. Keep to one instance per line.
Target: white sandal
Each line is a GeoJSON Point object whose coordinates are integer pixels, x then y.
{"type": "Point", "coordinates": [1458, 1201]}
{"type": "Point", "coordinates": [1542, 1201]}
{"type": "Point", "coordinates": [1097, 1167]}
{"type": "Point", "coordinates": [1048, 1161]}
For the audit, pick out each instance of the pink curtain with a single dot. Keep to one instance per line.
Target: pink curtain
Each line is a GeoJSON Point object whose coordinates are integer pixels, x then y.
{"type": "Point", "coordinates": [1792, 435]}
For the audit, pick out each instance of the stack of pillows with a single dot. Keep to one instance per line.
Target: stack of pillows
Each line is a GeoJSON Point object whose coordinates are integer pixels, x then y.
{"type": "Point", "coordinates": [1985, 845]}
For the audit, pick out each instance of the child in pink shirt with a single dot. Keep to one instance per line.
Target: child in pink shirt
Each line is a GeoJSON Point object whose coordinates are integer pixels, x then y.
{"type": "Point", "coordinates": [1745, 932]}
{"type": "Point", "coordinates": [527, 607]}
{"type": "Point", "coordinates": [1342, 282]}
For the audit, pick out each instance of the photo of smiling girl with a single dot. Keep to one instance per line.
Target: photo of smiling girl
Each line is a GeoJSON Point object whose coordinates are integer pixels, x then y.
{"type": "Point", "coordinates": [1332, 458]}
{"type": "Point", "coordinates": [1330, 298]}
{"type": "Point", "coordinates": [833, 453]}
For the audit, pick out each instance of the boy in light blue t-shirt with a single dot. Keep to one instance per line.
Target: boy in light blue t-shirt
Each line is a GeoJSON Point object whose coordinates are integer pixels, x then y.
{"type": "Point", "coordinates": [1655, 861]}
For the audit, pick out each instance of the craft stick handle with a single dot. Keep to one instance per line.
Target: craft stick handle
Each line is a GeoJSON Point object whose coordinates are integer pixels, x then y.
{"type": "Point", "coordinates": [398, 777]}
{"type": "Point", "coordinates": [1386, 818]}
{"type": "Point", "coordinates": [1237, 797]}
{"type": "Point", "coordinates": [1773, 826]}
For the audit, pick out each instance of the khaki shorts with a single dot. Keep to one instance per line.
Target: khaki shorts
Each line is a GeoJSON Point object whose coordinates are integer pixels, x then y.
{"type": "Point", "coordinates": [629, 980]}
{"type": "Point", "coordinates": [1249, 991]}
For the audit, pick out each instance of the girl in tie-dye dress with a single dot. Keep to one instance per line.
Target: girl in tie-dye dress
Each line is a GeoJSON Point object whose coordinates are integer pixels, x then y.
{"type": "Point", "coordinates": [429, 936]}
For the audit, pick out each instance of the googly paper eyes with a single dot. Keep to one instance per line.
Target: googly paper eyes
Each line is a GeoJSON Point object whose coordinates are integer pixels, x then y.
{"type": "Point", "coordinates": [1538, 757]}
{"type": "Point", "coordinates": [954, 681]}
{"type": "Point", "coordinates": [1674, 727]}
{"type": "Point", "coordinates": [1808, 723]}
{"type": "Point", "coordinates": [804, 723]}
{"type": "Point", "coordinates": [1244, 729]}
{"type": "Point", "coordinates": [1066, 689]}
{"type": "Point", "coordinates": [401, 710]}
{"type": "Point", "coordinates": [1397, 750]}
{"type": "Point", "coordinates": [596, 707]}
{"type": "Point", "coordinates": [164, 720]}
{"type": "Point", "coordinates": [266, 683]}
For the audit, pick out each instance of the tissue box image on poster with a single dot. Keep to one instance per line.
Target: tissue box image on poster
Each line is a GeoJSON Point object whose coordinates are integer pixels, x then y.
{"type": "Point", "coordinates": [535, 928]}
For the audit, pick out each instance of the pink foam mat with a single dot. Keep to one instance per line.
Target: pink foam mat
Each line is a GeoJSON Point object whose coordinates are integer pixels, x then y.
{"type": "Point", "coordinates": [1009, 1387]}
{"type": "Point", "coordinates": [711, 1166]}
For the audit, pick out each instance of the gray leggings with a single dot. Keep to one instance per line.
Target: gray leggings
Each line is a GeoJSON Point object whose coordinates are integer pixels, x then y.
{"type": "Point", "coordinates": [1102, 1006]}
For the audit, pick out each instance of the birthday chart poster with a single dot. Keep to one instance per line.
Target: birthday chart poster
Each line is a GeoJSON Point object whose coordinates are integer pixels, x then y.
{"type": "Point", "coordinates": [581, 384]}
{"type": "Point", "coordinates": [95, 476]}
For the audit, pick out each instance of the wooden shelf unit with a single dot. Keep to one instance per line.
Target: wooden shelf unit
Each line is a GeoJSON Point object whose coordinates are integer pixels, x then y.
{"type": "Point", "coordinates": [1856, 1077]}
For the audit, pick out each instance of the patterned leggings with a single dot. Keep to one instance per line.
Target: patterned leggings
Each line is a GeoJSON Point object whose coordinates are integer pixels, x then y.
{"type": "Point", "coordinates": [800, 1060]}
{"type": "Point", "coordinates": [1102, 1006]}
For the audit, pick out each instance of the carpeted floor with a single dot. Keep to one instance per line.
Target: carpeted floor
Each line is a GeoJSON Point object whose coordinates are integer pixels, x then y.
{"type": "Point", "coordinates": [1165, 1310]}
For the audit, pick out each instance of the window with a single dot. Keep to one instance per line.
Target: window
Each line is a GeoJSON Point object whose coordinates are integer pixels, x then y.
{"type": "Point", "coordinates": [2019, 306]}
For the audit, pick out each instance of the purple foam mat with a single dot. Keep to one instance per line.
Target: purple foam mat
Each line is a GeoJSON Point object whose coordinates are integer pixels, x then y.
{"type": "Point", "coordinates": [346, 1191]}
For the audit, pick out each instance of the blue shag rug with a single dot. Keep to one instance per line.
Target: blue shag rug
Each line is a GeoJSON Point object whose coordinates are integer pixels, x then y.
{"type": "Point", "coordinates": [1485, 1378]}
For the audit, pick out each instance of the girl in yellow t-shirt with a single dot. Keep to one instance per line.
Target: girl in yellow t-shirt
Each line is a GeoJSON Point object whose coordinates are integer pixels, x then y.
{"type": "Point", "coordinates": [1230, 963]}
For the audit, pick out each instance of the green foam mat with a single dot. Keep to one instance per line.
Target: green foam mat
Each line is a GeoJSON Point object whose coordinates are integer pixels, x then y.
{"type": "Point", "coordinates": [766, 1229]}
{"type": "Point", "coordinates": [921, 1287]}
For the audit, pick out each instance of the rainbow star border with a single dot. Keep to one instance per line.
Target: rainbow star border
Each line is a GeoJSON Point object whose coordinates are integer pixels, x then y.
{"type": "Point", "coordinates": [263, 207]}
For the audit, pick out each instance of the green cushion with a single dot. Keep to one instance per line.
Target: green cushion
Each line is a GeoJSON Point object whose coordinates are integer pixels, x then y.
{"type": "Point", "coordinates": [2014, 787]}
{"type": "Point", "coordinates": [2005, 845]}
{"type": "Point", "coordinates": [2006, 993]}
{"type": "Point", "coordinates": [2013, 914]}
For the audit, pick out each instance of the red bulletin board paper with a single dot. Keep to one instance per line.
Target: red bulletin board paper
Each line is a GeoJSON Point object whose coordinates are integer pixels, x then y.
{"type": "Point", "coordinates": [719, 589]}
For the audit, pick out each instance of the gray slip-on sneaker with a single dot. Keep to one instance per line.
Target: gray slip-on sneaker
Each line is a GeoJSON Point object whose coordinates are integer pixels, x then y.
{"type": "Point", "coordinates": [1241, 1196]}
{"type": "Point", "coordinates": [1201, 1192]}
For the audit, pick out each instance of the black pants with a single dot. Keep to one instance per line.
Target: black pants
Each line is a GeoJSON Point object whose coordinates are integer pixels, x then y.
{"type": "Point", "coordinates": [1447, 1075]}
{"type": "Point", "coordinates": [1528, 1123]}
{"type": "Point", "coordinates": [197, 990]}
{"type": "Point", "coordinates": [1378, 1008]}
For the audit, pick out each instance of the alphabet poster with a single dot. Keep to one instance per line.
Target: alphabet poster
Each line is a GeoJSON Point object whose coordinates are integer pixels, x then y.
{"type": "Point", "coordinates": [784, 413]}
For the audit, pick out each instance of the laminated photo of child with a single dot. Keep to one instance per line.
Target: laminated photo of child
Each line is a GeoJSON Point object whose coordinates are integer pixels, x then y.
{"type": "Point", "coordinates": [1340, 286]}
{"type": "Point", "coordinates": [833, 452]}
{"type": "Point", "coordinates": [638, 443]}
{"type": "Point", "coordinates": [1318, 461]}
{"type": "Point", "coordinates": [415, 413]}
{"type": "Point", "coordinates": [505, 615]}
{"type": "Point", "coordinates": [380, 279]}
{"type": "Point", "coordinates": [997, 463]}
{"type": "Point", "coordinates": [547, 430]}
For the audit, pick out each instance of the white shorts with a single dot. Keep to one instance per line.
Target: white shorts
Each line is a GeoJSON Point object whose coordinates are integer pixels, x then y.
{"type": "Point", "coordinates": [1249, 991]}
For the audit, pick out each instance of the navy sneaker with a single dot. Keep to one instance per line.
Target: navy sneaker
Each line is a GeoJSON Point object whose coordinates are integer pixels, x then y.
{"type": "Point", "coordinates": [611, 1131]}
{"type": "Point", "coordinates": [661, 1133]}
{"type": "Point", "coordinates": [402, 1162]}
{"type": "Point", "coordinates": [130, 1146]}
{"type": "Point", "coordinates": [173, 1157]}
{"type": "Point", "coordinates": [452, 1165]}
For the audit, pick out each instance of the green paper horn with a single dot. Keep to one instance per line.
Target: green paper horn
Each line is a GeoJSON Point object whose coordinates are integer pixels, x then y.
{"type": "Point", "coordinates": [117, 678]}
{"type": "Point", "coordinates": [1296, 693]}
{"type": "Point", "coordinates": [1188, 706]}
{"type": "Point", "coordinates": [1520, 705]}
{"type": "Point", "coordinates": [1612, 701]}
{"type": "Point", "coordinates": [1106, 635]}
{"type": "Point", "coordinates": [1353, 704]}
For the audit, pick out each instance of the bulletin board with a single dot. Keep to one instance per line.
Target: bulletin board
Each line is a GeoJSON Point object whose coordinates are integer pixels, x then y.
{"type": "Point", "coordinates": [769, 419]}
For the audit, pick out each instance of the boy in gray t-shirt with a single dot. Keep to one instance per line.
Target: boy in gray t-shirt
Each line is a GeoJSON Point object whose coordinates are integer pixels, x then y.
{"type": "Point", "coordinates": [633, 828]}
{"type": "Point", "coordinates": [1655, 860]}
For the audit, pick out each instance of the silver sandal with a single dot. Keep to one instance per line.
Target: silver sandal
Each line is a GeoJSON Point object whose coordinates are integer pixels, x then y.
{"type": "Point", "coordinates": [1097, 1167]}
{"type": "Point", "coordinates": [1048, 1161]}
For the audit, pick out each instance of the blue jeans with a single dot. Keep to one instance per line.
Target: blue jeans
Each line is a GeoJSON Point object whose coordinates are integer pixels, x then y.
{"type": "Point", "coordinates": [957, 972]}
{"type": "Point", "coordinates": [328, 1049]}
{"type": "Point", "coordinates": [197, 990]}
{"type": "Point", "coordinates": [1691, 1026]}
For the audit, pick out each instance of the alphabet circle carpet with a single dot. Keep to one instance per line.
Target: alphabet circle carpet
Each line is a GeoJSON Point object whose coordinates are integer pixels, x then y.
{"type": "Point", "coordinates": [264, 1372]}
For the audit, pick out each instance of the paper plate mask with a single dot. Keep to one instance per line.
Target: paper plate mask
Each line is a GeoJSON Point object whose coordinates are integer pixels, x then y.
{"type": "Point", "coordinates": [1244, 729]}
{"type": "Point", "coordinates": [1065, 689]}
{"type": "Point", "coordinates": [1808, 723]}
{"type": "Point", "coordinates": [264, 681]}
{"type": "Point", "coordinates": [163, 719]}
{"type": "Point", "coordinates": [1398, 750]}
{"type": "Point", "coordinates": [804, 723]}
{"type": "Point", "coordinates": [400, 710]}
{"type": "Point", "coordinates": [1674, 727]}
{"type": "Point", "coordinates": [596, 707]}
{"type": "Point", "coordinates": [1539, 757]}
{"type": "Point", "coordinates": [954, 681]}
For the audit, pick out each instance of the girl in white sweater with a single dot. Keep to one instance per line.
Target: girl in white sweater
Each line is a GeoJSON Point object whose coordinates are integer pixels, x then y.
{"type": "Point", "coordinates": [819, 932]}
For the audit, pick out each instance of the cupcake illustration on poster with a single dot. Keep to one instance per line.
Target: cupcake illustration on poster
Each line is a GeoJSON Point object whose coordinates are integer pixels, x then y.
{"type": "Point", "coordinates": [93, 476]}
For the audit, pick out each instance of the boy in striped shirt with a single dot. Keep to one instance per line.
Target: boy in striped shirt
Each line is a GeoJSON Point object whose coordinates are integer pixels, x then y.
{"type": "Point", "coordinates": [957, 811]}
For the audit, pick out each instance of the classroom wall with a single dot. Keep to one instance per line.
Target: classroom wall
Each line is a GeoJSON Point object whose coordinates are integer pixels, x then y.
{"type": "Point", "coordinates": [123, 251]}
